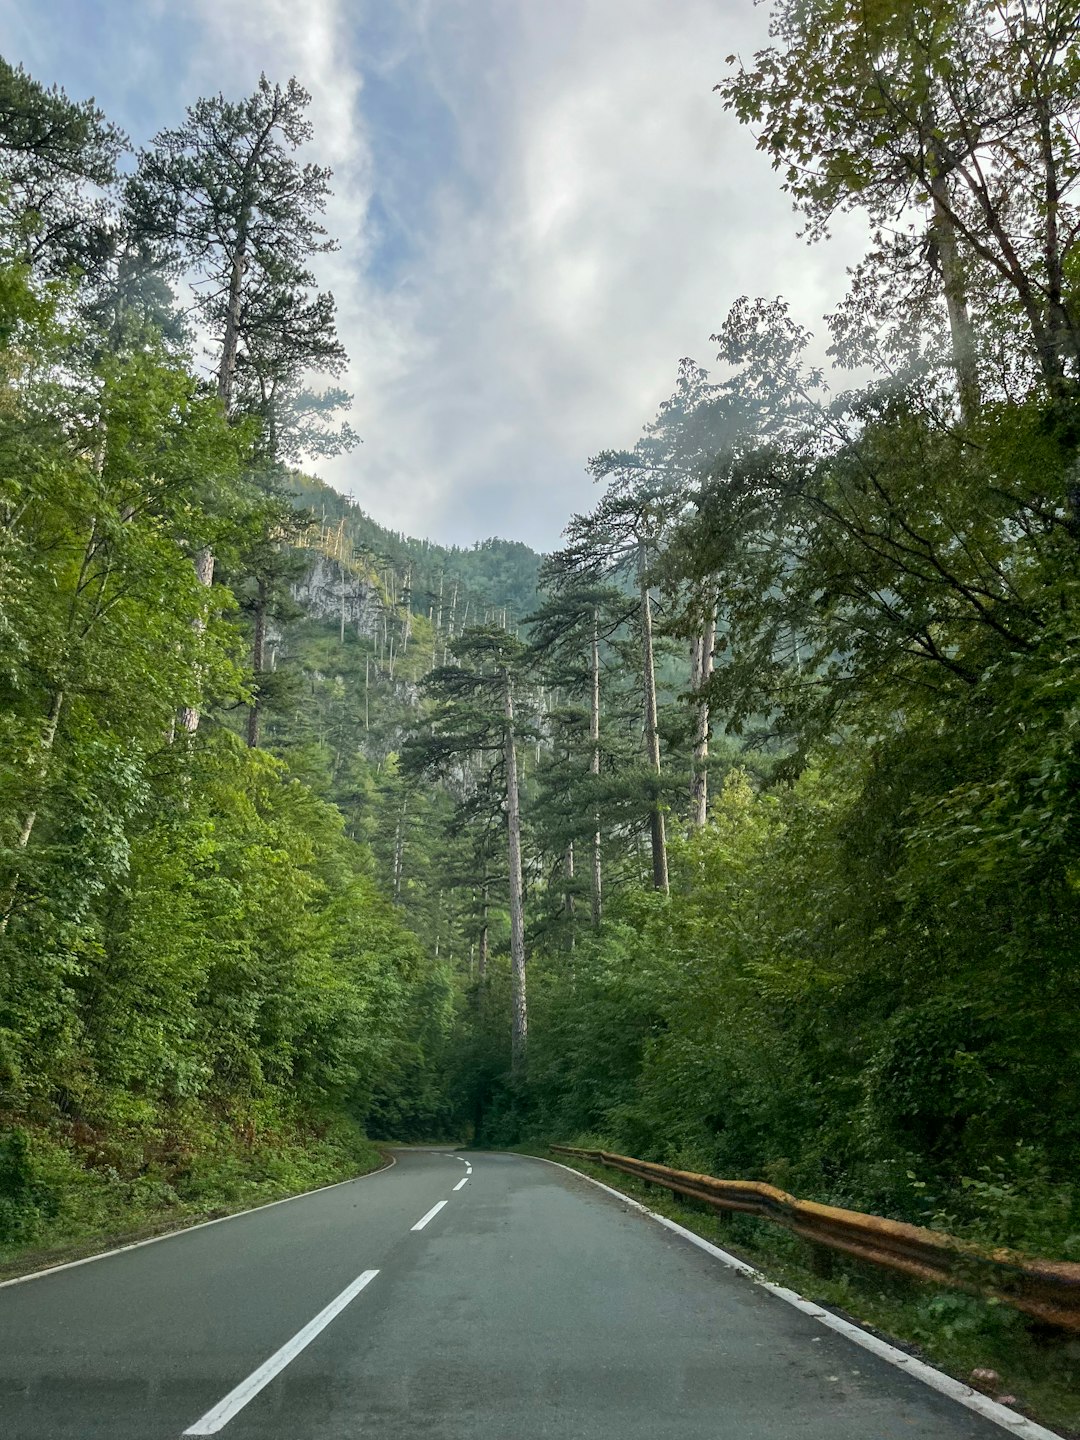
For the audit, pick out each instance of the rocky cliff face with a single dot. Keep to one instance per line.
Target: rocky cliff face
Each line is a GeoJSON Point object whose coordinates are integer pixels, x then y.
{"type": "Point", "coordinates": [324, 593]}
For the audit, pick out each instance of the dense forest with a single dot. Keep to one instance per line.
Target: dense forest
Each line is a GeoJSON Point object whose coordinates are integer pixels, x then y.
{"type": "Point", "coordinates": [739, 833]}
{"type": "Point", "coordinates": [797, 715]}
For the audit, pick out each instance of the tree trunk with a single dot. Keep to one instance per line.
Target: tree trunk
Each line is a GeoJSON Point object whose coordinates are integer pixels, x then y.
{"type": "Point", "coordinates": [519, 1033]}
{"type": "Point", "coordinates": [399, 848]}
{"type": "Point", "coordinates": [943, 229]}
{"type": "Point", "coordinates": [258, 662]}
{"type": "Point", "coordinates": [230, 341]}
{"type": "Point", "coordinates": [652, 736]}
{"type": "Point", "coordinates": [482, 956]}
{"type": "Point", "coordinates": [594, 770]}
{"type": "Point", "coordinates": [952, 281]}
{"type": "Point", "coordinates": [1060, 313]}
{"type": "Point", "coordinates": [204, 570]}
{"type": "Point", "coordinates": [40, 765]}
{"type": "Point", "coordinates": [699, 780]}
{"type": "Point", "coordinates": [204, 558]}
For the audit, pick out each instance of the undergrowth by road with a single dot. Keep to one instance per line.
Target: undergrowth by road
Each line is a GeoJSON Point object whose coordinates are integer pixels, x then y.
{"type": "Point", "coordinates": [77, 1209]}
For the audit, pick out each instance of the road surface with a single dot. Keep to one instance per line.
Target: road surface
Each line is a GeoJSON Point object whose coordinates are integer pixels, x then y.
{"type": "Point", "coordinates": [488, 1296]}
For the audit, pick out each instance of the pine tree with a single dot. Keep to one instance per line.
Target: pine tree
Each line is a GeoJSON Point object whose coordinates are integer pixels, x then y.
{"type": "Point", "coordinates": [234, 212]}
{"type": "Point", "coordinates": [477, 719]}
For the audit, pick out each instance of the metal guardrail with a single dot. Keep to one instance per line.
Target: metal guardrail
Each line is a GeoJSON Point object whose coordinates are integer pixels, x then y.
{"type": "Point", "coordinates": [1048, 1290]}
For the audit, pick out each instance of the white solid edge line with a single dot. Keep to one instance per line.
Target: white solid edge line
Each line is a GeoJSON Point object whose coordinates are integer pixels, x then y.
{"type": "Point", "coordinates": [463, 1181]}
{"type": "Point", "coordinates": [187, 1229]}
{"type": "Point", "coordinates": [430, 1215]}
{"type": "Point", "coordinates": [217, 1418]}
{"type": "Point", "coordinates": [1010, 1420]}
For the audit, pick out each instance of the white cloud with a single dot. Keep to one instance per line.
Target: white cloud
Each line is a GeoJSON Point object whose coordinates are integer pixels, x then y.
{"type": "Point", "coordinates": [596, 214]}
{"type": "Point", "coordinates": [622, 212]}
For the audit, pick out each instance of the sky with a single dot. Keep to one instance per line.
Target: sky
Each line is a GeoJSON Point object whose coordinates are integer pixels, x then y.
{"type": "Point", "coordinates": [541, 205]}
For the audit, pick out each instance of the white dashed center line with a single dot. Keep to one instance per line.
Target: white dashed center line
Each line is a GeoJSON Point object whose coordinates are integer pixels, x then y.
{"type": "Point", "coordinates": [463, 1181]}
{"type": "Point", "coordinates": [217, 1418]}
{"type": "Point", "coordinates": [430, 1215]}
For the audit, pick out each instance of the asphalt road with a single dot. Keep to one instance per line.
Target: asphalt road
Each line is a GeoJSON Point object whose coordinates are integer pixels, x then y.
{"type": "Point", "coordinates": [529, 1304]}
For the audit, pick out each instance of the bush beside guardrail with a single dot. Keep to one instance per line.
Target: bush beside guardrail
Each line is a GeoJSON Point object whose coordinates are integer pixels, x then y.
{"type": "Point", "coordinates": [1048, 1290]}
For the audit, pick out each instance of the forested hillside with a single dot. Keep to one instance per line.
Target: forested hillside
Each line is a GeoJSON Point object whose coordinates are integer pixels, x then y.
{"type": "Point", "coordinates": [739, 833]}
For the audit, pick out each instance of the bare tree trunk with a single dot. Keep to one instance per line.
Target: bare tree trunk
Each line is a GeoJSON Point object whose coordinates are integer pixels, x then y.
{"type": "Point", "coordinates": [39, 767]}
{"type": "Point", "coordinates": [407, 602]}
{"type": "Point", "coordinates": [399, 848]}
{"type": "Point", "coordinates": [258, 660]}
{"type": "Point", "coordinates": [231, 339]}
{"type": "Point", "coordinates": [204, 558]}
{"type": "Point", "coordinates": [204, 567]}
{"type": "Point", "coordinates": [482, 957]}
{"type": "Point", "coordinates": [48, 738]}
{"type": "Point", "coordinates": [204, 570]}
{"type": "Point", "coordinates": [652, 737]}
{"type": "Point", "coordinates": [519, 1032]}
{"type": "Point", "coordinates": [594, 770]}
{"type": "Point", "coordinates": [1062, 323]}
{"type": "Point", "coordinates": [961, 333]}
{"type": "Point", "coordinates": [699, 779]}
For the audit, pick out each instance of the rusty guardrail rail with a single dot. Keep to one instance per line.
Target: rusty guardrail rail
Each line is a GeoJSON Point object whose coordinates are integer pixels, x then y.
{"type": "Point", "coordinates": [1048, 1290]}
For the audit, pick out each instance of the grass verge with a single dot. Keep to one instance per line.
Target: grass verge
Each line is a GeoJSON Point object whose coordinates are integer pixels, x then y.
{"type": "Point", "coordinates": [1038, 1366]}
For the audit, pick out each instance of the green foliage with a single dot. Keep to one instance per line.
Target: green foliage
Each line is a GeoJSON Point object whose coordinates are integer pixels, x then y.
{"type": "Point", "coordinates": [25, 1203]}
{"type": "Point", "coordinates": [782, 1018]}
{"type": "Point", "coordinates": [863, 985]}
{"type": "Point", "coordinates": [218, 959]}
{"type": "Point", "coordinates": [203, 990]}
{"type": "Point", "coordinates": [81, 1190]}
